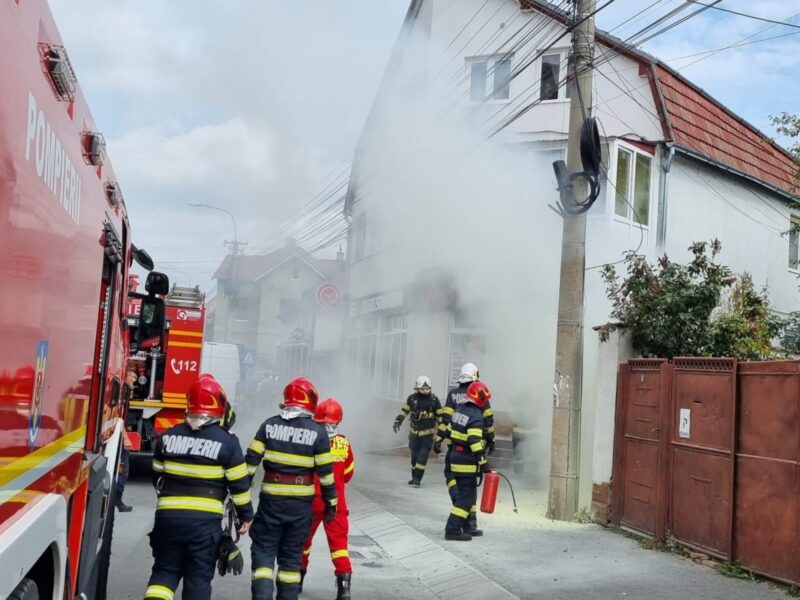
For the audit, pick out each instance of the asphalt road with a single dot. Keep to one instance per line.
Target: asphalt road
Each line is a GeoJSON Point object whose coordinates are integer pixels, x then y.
{"type": "Point", "coordinates": [399, 552]}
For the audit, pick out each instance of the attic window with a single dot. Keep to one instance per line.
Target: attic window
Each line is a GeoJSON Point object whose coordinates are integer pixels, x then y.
{"type": "Point", "coordinates": [59, 71]}
{"type": "Point", "coordinates": [113, 194]}
{"type": "Point", "coordinates": [93, 148]}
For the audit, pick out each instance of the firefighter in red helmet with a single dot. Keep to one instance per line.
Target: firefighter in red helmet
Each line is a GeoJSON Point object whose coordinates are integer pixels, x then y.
{"type": "Point", "coordinates": [196, 464]}
{"type": "Point", "coordinates": [467, 458]}
{"type": "Point", "coordinates": [294, 449]}
{"type": "Point", "coordinates": [329, 415]}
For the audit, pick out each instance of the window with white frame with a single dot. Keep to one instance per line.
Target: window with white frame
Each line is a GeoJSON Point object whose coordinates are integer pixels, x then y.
{"type": "Point", "coordinates": [489, 78]}
{"type": "Point", "coordinates": [553, 70]}
{"type": "Point", "coordinates": [632, 185]}
{"type": "Point", "coordinates": [794, 244]}
{"type": "Point", "coordinates": [393, 349]}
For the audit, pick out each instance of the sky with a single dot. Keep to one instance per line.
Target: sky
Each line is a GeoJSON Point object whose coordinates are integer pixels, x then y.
{"type": "Point", "coordinates": [252, 105]}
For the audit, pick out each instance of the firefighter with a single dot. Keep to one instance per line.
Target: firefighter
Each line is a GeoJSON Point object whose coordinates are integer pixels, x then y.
{"type": "Point", "coordinates": [426, 411]}
{"type": "Point", "coordinates": [467, 456]}
{"type": "Point", "coordinates": [124, 459]}
{"type": "Point", "coordinates": [196, 464]}
{"type": "Point", "coordinates": [293, 448]}
{"type": "Point", "coordinates": [456, 396]}
{"type": "Point", "coordinates": [329, 415]}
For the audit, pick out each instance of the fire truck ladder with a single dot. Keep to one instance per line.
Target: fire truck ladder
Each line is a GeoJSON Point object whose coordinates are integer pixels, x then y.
{"type": "Point", "coordinates": [185, 296]}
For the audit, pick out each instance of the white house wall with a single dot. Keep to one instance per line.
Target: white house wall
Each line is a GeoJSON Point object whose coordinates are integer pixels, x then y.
{"type": "Point", "coordinates": [622, 97]}
{"type": "Point", "coordinates": [750, 222]}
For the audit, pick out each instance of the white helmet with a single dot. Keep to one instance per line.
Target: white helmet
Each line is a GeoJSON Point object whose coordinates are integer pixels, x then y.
{"type": "Point", "coordinates": [423, 384]}
{"type": "Point", "coordinates": [469, 372]}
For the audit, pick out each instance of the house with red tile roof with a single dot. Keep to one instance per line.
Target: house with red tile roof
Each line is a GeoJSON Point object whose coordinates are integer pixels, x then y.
{"type": "Point", "coordinates": [270, 305]}
{"type": "Point", "coordinates": [453, 249]}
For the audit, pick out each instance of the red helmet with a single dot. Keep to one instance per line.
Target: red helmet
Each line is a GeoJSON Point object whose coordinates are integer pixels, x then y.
{"type": "Point", "coordinates": [328, 411]}
{"type": "Point", "coordinates": [206, 397]}
{"type": "Point", "coordinates": [478, 393]}
{"type": "Point", "coordinates": [300, 392]}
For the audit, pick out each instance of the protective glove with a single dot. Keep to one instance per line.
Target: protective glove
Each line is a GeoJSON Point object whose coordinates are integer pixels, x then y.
{"type": "Point", "coordinates": [397, 423]}
{"type": "Point", "coordinates": [230, 558]}
{"type": "Point", "coordinates": [437, 447]}
{"type": "Point", "coordinates": [484, 467]}
{"type": "Point", "coordinates": [489, 448]}
{"type": "Point", "coordinates": [330, 513]}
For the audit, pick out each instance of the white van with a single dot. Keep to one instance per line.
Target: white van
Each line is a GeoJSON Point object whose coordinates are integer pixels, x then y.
{"type": "Point", "coordinates": [222, 361]}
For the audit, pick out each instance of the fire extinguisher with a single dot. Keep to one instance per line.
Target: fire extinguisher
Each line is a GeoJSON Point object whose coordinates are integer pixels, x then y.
{"type": "Point", "coordinates": [491, 481]}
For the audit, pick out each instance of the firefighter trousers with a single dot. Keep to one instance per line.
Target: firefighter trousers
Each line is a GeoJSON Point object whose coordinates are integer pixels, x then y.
{"type": "Point", "coordinates": [336, 532]}
{"type": "Point", "coordinates": [466, 499]}
{"type": "Point", "coordinates": [183, 548]}
{"type": "Point", "coordinates": [278, 532]}
{"type": "Point", "coordinates": [420, 446]}
{"type": "Point", "coordinates": [452, 489]}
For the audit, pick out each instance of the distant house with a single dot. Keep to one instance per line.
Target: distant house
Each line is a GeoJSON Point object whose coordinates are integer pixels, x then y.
{"type": "Point", "coordinates": [267, 305]}
{"type": "Point", "coordinates": [681, 167]}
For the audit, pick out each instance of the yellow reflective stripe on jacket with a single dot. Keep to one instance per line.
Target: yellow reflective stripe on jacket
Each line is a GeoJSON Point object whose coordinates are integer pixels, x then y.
{"type": "Point", "coordinates": [488, 413]}
{"type": "Point", "coordinates": [292, 460]}
{"type": "Point", "coordinates": [451, 483]}
{"type": "Point", "coordinates": [489, 429]}
{"type": "Point", "coordinates": [257, 447]}
{"type": "Point", "coordinates": [463, 468]}
{"type": "Point", "coordinates": [339, 554]}
{"type": "Point", "coordinates": [457, 435]}
{"type": "Point", "coordinates": [158, 591]}
{"type": "Point", "coordinates": [350, 469]}
{"type": "Point", "coordinates": [251, 470]}
{"type": "Point", "coordinates": [326, 479]}
{"type": "Point", "coordinates": [236, 473]}
{"type": "Point", "coordinates": [475, 431]}
{"type": "Point", "coordinates": [190, 503]}
{"type": "Point", "coordinates": [448, 410]}
{"type": "Point", "coordinates": [262, 573]}
{"type": "Point", "coordinates": [172, 467]}
{"type": "Point", "coordinates": [288, 576]}
{"type": "Point", "coordinates": [422, 432]}
{"type": "Point", "coordinates": [439, 411]}
{"type": "Point", "coordinates": [476, 447]}
{"type": "Point", "coordinates": [286, 489]}
{"type": "Point", "coordinates": [241, 499]}
{"type": "Point", "coordinates": [158, 466]}
{"type": "Point", "coordinates": [405, 409]}
{"type": "Point", "coordinates": [325, 458]}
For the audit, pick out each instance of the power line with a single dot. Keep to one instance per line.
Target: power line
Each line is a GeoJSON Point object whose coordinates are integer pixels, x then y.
{"type": "Point", "coordinates": [746, 15]}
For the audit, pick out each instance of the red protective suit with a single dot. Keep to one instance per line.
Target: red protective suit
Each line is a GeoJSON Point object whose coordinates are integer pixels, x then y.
{"type": "Point", "coordinates": [337, 530]}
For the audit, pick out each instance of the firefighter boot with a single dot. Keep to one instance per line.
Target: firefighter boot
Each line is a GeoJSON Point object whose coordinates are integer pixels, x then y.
{"type": "Point", "coordinates": [343, 586]}
{"type": "Point", "coordinates": [302, 578]}
{"type": "Point", "coordinates": [457, 536]}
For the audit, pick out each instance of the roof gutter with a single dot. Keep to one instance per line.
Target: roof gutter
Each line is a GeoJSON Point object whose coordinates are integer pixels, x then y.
{"type": "Point", "coordinates": [733, 171]}
{"type": "Point", "coordinates": [663, 195]}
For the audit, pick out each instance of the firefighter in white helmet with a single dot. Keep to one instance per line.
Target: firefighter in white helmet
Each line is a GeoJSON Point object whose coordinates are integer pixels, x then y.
{"type": "Point", "coordinates": [425, 412]}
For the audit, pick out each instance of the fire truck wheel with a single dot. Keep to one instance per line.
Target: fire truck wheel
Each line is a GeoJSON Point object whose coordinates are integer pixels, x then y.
{"type": "Point", "coordinates": [26, 590]}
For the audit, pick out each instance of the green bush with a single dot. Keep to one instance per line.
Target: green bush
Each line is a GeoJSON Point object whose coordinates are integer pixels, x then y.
{"type": "Point", "coordinates": [674, 309]}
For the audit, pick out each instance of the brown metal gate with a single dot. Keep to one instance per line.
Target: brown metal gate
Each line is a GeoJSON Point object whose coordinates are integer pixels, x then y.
{"type": "Point", "coordinates": [709, 451]}
{"type": "Point", "coordinates": [767, 492]}
{"type": "Point", "coordinates": [642, 414]}
{"type": "Point", "coordinates": [702, 454]}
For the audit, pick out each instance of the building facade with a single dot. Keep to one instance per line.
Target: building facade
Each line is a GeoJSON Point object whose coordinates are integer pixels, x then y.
{"type": "Point", "coordinates": [453, 249]}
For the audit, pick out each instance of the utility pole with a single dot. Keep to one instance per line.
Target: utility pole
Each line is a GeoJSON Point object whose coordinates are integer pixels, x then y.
{"type": "Point", "coordinates": [566, 435]}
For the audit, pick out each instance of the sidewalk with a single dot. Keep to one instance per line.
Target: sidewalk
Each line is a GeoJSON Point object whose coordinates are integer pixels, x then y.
{"type": "Point", "coordinates": [535, 558]}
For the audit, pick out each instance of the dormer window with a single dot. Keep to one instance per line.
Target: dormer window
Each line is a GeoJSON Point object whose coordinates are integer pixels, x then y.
{"type": "Point", "coordinates": [59, 71]}
{"type": "Point", "coordinates": [93, 148]}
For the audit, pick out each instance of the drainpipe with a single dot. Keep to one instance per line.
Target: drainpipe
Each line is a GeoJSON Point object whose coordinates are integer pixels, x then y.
{"type": "Point", "coordinates": [661, 233]}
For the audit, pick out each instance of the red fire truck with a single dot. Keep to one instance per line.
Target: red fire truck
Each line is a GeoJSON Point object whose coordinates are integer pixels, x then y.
{"type": "Point", "coordinates": [159, 397]}
{"type": "Point", "coordinates": [65, 255]}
